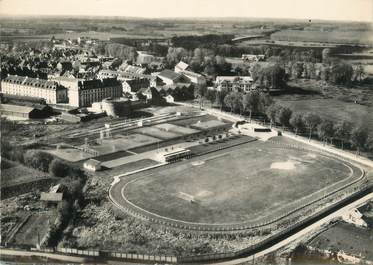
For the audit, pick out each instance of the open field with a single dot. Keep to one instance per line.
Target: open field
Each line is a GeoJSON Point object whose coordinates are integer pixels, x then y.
{"type": "Point", "coordinates": [14, 173]}
{"type": "Point", "coordinates": [335, 36]}
{"type": "Point", "coordinates": [258, 181]}
{"type": "Point", "coordinates": [334, 110]}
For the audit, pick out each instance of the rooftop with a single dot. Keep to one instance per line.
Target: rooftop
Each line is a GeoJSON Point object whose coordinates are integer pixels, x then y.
{"type": "Point", "coordinates": [51, 196]}
{"type": "Point", "coordinates": [35, 82]}
{"type": "Point", "coordinates": [169, 74]}
{"type": "Point", "coordinates": [15, 108]}
{"type": "Point", "coordinates": [182, 66]}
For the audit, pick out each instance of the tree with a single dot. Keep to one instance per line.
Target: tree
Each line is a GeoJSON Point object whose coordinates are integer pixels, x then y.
{"type": "Point", "coordinates": [342, 131]}
{"type": "Point", "coordinates": [325, 130]}
{"type": "Point", "coordinates": [359, 73]}
{"type": "Point", "coordinates": [38, 159]}
{"type": "Point", "coordinates": [311, 120]}
{"type": "Point", "coordinates": [58, 168]}
{"type": "Point", "coordinates": [210, 95]}
{"type": "Point", "coordinates": [200, 94]}
{"type": "Point", "coordinates": [271, 113]}
{"type": "Point", "coordinates": [326, 55]}
{"type": "Point", "coordinates": [232, 100]}
{"type": "Point", "coordinates": [229, 101]}
{"type": "Point", "coordinates": [359, 138]}
{"type": "Point", "coordinates": [251, 102]}
{"type": "Point", "coordinates": [265, 101]}
{"type": "Point", "coordinates": [283, 116]}
{"type": "Point", "coordinates": [341, 73]}
{"type": "Point", "coordinates": [297, 122]}
{"type": "Point", "coordinates": [219, 98]}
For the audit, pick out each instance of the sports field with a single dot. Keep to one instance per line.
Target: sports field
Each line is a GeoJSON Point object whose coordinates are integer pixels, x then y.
{"type": "Point", "coordinates": [250, 183]}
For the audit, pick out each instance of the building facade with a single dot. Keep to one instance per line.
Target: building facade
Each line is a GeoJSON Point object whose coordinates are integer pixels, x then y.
{"type": "Point", "coordinates": [51, 91]}
{"type": "Point", "coordinates": [82, 93]}
{"type": "Point", "coordinates": [234, 83]}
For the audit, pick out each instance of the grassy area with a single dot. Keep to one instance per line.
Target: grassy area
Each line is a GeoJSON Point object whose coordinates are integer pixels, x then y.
{"type": "Point", "coordinates": [13, 173]}
{"type": "Point", "coordinates": [255, 181]}
{"type": "Point", "coordinates": [335, 36]}
{"type": "Point", "coordinates": [332, 102]}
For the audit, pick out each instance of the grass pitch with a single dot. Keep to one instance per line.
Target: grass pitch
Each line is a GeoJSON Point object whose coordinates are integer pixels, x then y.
{"type": "Point", "coordinates": [245, 183]}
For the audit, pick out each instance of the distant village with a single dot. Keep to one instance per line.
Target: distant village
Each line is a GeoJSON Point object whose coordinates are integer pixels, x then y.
{"type": "Point", "coordinates": [70, 78]}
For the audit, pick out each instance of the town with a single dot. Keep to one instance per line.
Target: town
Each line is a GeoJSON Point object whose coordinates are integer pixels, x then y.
{"type": "Point", "coordinates": [243, 141]}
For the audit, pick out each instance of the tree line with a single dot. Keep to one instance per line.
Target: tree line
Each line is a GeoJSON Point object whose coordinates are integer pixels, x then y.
{"type": "Point", "coordinates": [310, 124]}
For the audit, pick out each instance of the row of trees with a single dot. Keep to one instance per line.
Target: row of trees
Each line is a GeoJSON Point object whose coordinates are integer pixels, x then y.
{"type": "Point", "coordinates": [336, 72]}
{"type": "Point", "coordinates": [308, 123]}
{"type": "Point", "coordinates": [326, 130]}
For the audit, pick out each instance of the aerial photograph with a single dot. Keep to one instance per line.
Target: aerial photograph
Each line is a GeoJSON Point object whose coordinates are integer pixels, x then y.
{"type": "Point", "coordinates": [186, 132]}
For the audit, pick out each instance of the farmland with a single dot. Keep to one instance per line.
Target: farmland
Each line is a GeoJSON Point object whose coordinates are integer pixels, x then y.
{"type": "Point", "coordinates": [337, 37]}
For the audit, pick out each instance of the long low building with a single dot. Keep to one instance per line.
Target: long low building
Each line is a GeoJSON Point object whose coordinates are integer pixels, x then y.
{"type": "Point", "coordinates": [24, 86]}
{"type": "Point", "coordinates": [25, 112]}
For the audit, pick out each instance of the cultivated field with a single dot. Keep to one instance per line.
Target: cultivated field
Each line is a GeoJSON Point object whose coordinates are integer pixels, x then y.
{"type": "Point", "coordinates": [335, 36]}
{"type": "Point", "coordinates": [34, 229]}
{"type": "Point", "coordinates": [255, 182]}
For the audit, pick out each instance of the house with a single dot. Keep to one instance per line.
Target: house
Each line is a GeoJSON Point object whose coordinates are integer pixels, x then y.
{"type": "Point", "coordinates": [169, 99]}
{"type": "Point", "coordinates": [194, 77]}
{"type": "Point", "coordinates": [234, 83]}
{"type": "Point", "coordinates": [252, 57]}
{"type": "Point", "coordinates": [107, 74]}
{"type": "Point", "coordinates": [181, 66]}
{"type": "Point", "coordinates": [170, 77]}
{"type": "Point", "coordinates": [130, 69]}
{"type": "Point", "coordinates": [64, 66]}
{"type": "Point", "coordinates": [134, 85]}
{"type": "Point", "coordinates": [146, 92]}
{"type": "Point", "coordinates": [92, 165]}
{"type": "Point", "coordinates": [54, 197]}
{"type": "Point", "coordinates": [144, 58]}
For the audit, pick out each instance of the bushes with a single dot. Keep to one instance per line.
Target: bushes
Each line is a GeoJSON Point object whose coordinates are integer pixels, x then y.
{"type": "Point", "coordinates": [38, 160]}
{"type": "Point", "coordinates": [58, 168]}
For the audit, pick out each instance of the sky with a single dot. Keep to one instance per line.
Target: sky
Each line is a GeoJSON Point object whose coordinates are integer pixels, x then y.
{"type": "Point", "coordinates": [348, 10]}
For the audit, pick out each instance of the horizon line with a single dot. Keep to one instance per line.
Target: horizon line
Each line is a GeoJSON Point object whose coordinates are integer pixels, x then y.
{"type": "Point", "coordinates": [85, 16]}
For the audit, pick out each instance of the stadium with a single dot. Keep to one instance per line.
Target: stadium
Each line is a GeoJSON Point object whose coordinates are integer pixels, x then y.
{"type": "Point", "coordinates": [236, 188]}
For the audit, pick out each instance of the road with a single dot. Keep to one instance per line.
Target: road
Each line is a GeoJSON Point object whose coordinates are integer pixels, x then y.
{"type": "Point", "coordinates": [315, 226]}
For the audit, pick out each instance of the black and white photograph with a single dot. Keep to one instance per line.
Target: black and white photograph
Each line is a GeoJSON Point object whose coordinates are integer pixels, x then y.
{"type": "Point", "coordinates": [186, 132]}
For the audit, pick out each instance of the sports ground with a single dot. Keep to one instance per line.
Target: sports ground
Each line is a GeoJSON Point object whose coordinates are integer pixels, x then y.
{"type": "Point", "coordinates": [250, 183]}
